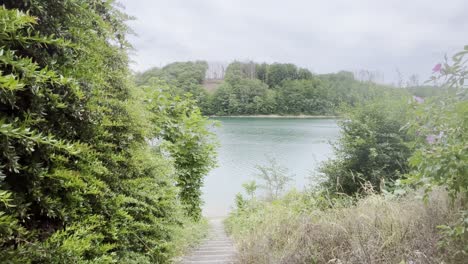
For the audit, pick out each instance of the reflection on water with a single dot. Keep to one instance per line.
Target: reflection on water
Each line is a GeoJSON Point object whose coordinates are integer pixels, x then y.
{"type": "Point", "coordinates": [298, 144]}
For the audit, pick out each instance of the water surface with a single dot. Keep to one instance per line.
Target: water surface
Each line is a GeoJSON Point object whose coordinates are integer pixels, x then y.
{"type": "Point", "coordinates": [298, 144]}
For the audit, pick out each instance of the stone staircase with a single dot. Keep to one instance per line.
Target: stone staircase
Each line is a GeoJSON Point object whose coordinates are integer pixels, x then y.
{"type": "Point", "coordinates": [216, 248]}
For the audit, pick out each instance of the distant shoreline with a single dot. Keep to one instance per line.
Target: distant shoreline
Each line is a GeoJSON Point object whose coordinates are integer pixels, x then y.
{"type": "Point", "coordinates": [278, 116]}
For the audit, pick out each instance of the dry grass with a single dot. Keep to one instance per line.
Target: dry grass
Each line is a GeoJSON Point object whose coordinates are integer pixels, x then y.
{"type": "Point", "coordinates": [375, 230]}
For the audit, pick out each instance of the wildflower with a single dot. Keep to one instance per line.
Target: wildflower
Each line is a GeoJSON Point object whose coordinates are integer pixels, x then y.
{"type": "Point", "coordinates": [431, 139]}
{"type": "Point", "coordinates": [437, 68]}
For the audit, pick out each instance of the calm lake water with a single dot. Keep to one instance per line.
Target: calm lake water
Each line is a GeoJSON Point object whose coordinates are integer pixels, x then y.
{"type": "Point", "coordinates": [298, 144]}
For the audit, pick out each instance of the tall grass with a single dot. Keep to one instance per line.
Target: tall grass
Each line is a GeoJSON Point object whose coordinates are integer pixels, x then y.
{"type": "Point", "coordinates": [375, 229]}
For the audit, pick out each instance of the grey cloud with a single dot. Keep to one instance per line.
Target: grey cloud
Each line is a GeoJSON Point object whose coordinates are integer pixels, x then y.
{"type": "Point", "coordinates": [324, 36]}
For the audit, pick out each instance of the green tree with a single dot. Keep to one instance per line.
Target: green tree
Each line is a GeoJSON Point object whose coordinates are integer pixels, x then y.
{"type": "Point", "coordinates": [182, 77]}
{"type": "Point", "coordinates": [304, 97]}
{"type": "Point", "coordinates": [304, 74]}
{"type": "Point", "coordinates": [236, 71]}
{"type": "Point", "coordinates": [179, 122]}
{"type": "Point", "coordinates": [262, 72]}
{"type": "Point", "coordinates": [244, 97]}
{"type": "Point", "coordinates": [278, 72]}
{"type": "Point", "coordinates": [250, 188]}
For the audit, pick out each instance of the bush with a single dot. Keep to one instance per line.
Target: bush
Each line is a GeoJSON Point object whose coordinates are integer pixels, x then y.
{"type": "Point", "coordinates": [442, 156]}
{"type": "Point", "coordinates": [373, 148]}
{"type": "Point", "coordinates": [79, 181]}
{"type": "Point", "coordinates": [178, 122]}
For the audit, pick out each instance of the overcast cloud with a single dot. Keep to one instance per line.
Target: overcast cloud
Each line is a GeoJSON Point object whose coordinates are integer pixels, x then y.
{"type": "Point", "coordinates": [324, 36]}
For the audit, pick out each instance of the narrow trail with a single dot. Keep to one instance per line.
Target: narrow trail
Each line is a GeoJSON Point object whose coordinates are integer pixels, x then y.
{"type": "Point", "coordinates": [216, 248]}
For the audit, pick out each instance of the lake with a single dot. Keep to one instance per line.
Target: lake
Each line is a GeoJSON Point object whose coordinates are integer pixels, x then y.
{"type": "Point", "coordinates": [298, 144]}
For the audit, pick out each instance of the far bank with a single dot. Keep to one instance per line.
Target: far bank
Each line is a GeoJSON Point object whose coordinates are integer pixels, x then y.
{"type": "Point", "coordinates": [275, 116]}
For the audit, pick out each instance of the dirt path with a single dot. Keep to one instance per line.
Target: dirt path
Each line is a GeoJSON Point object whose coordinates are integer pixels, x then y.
{"type": "Point", "coordinates": [216, 248]}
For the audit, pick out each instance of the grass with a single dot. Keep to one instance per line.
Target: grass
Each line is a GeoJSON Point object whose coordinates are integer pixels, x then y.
{"type": "Point", "coordinates": [376, 229]}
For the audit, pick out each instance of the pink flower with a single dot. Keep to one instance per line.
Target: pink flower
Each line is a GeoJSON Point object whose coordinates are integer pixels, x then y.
{"type": "Point", "coordinates": [431, 139]}
{"type": "Point", "coordinates": [437, 68]}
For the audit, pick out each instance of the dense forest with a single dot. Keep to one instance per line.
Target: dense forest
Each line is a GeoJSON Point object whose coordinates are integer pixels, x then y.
{"type": "Point", "coordinates": [93, 168]}
{"type": "Point", "coordinates": [279, 88]}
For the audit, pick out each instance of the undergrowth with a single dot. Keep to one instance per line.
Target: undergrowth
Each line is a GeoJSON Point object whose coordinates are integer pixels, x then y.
{"type": "Point", "coordinates": [311, 228]}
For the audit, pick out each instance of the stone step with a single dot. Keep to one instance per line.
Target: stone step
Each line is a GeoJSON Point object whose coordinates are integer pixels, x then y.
{"type": "Point", "coordinates": [214, 252]}
{"type": "Point", "coordinates": [216, 248]}
{"type": "Point", "coordinates": [209, 262]}
{"type": "Point", "coordinates": [218, 243]}
{"type": "Point", "coordinates": [212, 257]}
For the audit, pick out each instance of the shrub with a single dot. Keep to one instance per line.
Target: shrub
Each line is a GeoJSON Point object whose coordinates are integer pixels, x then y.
{"type": "Point", "coordinates": [442, 156]}
{"type": "Point", "coordinates": [79, 182]}
{"type": "Point", "coordinates": [178, 122]}
{"type": "Point", "coordinates": [373, 148]}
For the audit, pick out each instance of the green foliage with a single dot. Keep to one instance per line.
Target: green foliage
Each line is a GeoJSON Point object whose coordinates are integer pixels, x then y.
{"type": "Point", "coordinates": [182, 77]}
{"type": "Point", "coordinates": [237, 71]}
{"type": "Point", "coordinates": [250, 188]}
{"type": "Point", "coordinates": [278, 72]}
{"type": "Point", "coordinates": [374, 147]}
{"type": "Point", "coordinates": [241, 202]}
{"type": "Point", "coordinates": [442, 125]}
{"type": "Point", "coordinates": [46, 171]}
{"type": "Point", "coordinates": [245, 96]}
{"type": "Point", "coordinates": [251, 89]}
{"type": "Point", "coordinates": [181, 125]}
{"type": "Point", "coordinates": [271, 74]}
{"type": "Point", "coordinates": [425, 91]}
{"type": "Point", "coordinates": [442, 155]}
{"type": "Point", "coordinates": [79, 182]}
{"type": "Point", "coordinates": [305, 97]}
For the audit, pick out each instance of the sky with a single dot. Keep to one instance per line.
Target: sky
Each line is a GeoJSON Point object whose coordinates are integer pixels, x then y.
{"type": "Point", "coordinates": [386, 36]}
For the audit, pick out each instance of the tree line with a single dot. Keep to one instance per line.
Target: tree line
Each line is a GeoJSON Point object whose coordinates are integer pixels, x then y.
{"type": "Point", "coordinates": [279, 88]}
